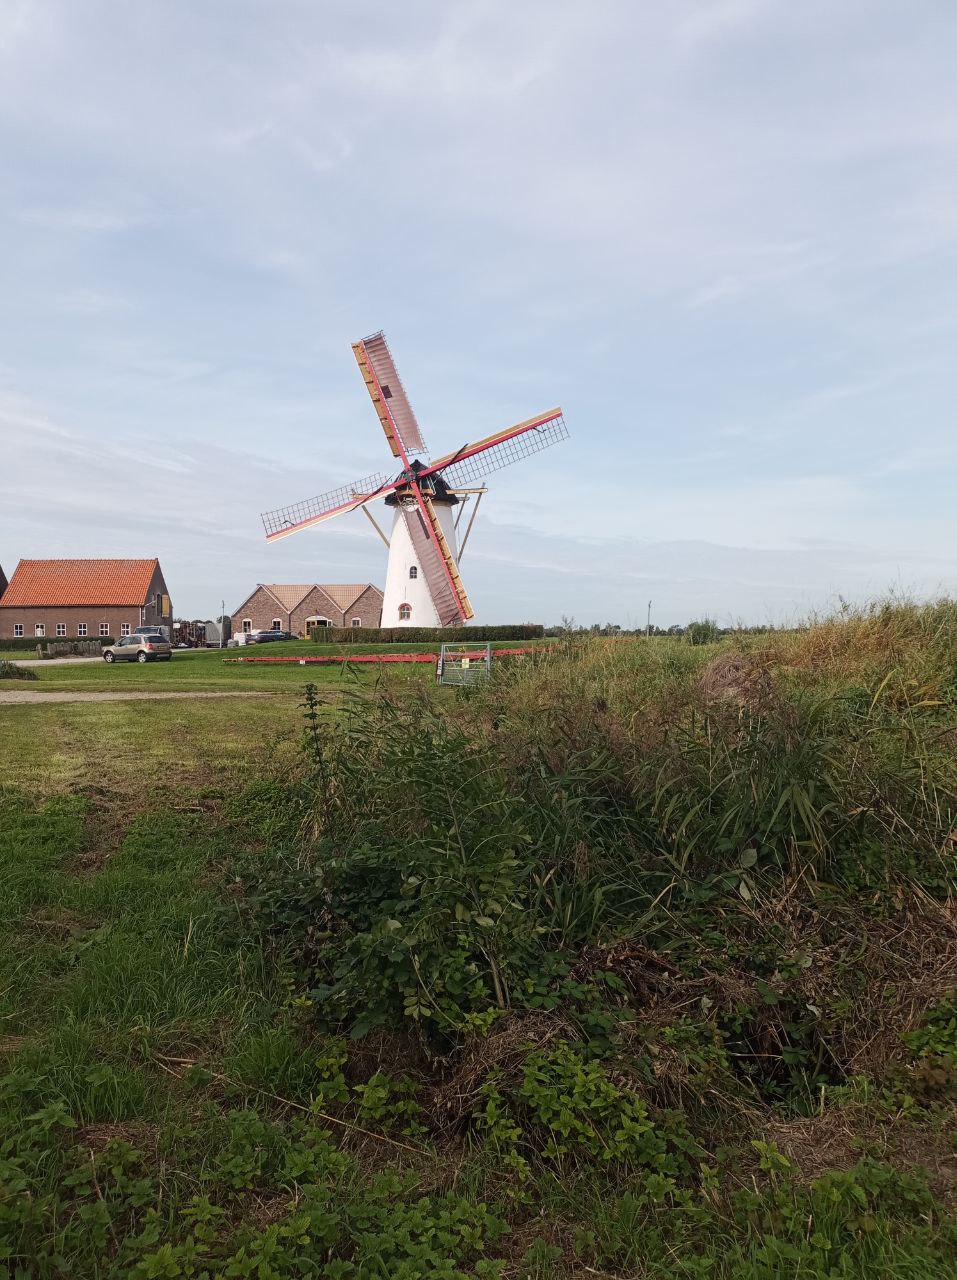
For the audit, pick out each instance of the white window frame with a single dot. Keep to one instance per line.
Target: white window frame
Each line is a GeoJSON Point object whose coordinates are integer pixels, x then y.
{"type": "Point", "coordinates": [276, 624]}
{"type": "Point", "coordinates": [18, 630]}
{"type": "Point", "coordinates": [125, 629]}
{"type": "Point", "coordinates": [247, 626]}
{"type": "Point", "coordinates": [61, 628]}
{"type": "Point", "coordinates": [357, 622]}
{"type": "Point", "coordinates": [405, 612]}
{"type": "Point", "coordinates": [104, 628]}
{"type": "Point", "coordinates": [81, 629]}
{"type": "Point", "coordinates": [413, 571]}
{"type": "Point", "coordinates": [39, 629]}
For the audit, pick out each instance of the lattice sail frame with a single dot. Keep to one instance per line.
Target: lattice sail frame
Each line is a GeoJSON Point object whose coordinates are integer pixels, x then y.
{"type": "Point", "coordinates": [388, 395]}
{"type": "Point", "coordinates": [301, 515]}
{"type": "Point", "coordinates": [473, 461]}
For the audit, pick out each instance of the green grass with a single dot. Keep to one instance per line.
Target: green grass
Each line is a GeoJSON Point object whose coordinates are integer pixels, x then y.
{"type": "Point", "coordinates": [598, 952]}
{"type": "Point", "coordinates": [209, 670]}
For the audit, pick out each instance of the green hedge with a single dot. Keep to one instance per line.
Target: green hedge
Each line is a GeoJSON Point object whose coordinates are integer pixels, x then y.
{"type": "Point", "coordinates": [423, 635]}
{"type": "Point", "coordinates": [25, 644]}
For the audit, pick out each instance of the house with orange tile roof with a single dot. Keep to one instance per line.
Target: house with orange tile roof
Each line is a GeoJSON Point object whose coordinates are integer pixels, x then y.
{"type": "Point", "coordinates": [84, 599]}
{"type": "Point", "coordinates": [279, 606]}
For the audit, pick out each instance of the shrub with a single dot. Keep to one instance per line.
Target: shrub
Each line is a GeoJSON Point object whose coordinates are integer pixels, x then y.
{"type": "Point", "coordinates": [11, 671]}
{"type": "Point", "coordinates": [424, 635]}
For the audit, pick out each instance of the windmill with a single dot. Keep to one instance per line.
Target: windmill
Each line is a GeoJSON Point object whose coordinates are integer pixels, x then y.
{"type": "Point", "coordinates": [423, 586]}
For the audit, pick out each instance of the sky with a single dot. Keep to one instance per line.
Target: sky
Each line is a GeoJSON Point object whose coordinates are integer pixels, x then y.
{"type": "Point", "coordinates": [721, 234]}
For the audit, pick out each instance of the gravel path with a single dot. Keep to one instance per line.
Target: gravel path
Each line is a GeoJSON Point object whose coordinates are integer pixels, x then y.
{"type": "Point", "coordinates": [50, 662]}
{"type": "Point", "coordinates": [28, 695]}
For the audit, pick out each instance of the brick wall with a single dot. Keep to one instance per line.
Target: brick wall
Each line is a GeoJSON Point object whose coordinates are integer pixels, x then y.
{"type": "Point", "coordinates": [93, 616]}
{"type": "Point", "coordinates": [261, 608]}
{"type": "Point", "coordinates": [368, 607]}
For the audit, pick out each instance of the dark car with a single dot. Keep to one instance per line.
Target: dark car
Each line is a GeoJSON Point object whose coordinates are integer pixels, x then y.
{"type": "Point", "coordinates": [264, 637]}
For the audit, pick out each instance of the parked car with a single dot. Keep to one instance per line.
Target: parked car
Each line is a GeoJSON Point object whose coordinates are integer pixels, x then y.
{"type": "Point", "coordinates": [144, 648]}
{"type": "Point", "coordinates": [156, 630]}
{"type": "Point", "coordinates": [264, 637]}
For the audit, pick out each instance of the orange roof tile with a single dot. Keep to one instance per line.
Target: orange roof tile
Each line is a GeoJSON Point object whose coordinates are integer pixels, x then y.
{"type": "Point", "coordinates": [79, 582]}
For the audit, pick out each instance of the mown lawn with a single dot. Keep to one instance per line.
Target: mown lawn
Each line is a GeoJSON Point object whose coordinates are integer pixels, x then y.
{"type": "Point", "coordinates": [216, 669]}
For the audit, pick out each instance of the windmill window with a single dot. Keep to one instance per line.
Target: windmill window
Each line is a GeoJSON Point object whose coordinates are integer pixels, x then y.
{"type": "Point", "coordinates": [405, 612]}
{"type": "Point", "coordinates": [413, 572]}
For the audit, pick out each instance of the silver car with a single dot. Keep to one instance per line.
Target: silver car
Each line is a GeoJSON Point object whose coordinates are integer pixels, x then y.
{"type": "Point", "coordinates": [148, 648]}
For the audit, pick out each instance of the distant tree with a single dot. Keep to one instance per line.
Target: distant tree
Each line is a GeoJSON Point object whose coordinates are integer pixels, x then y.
{"type": "Point", "coordinates": [703, 631]}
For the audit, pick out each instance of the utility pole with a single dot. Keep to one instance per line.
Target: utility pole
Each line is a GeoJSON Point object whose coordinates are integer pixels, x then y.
{"type": "Point", "coordinates": [222, 624]}
{"type": "Point", "coordinates": [648, 624]}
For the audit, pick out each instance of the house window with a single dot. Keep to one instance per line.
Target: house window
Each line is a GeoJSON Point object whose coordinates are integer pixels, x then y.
{"type": "Point", "coordinates": [104, 628]}
{"type": "Point", "coordinates": [124, 628]}
{"type": "Point", "coordinates": [81, 629]}
{"type": "Point", "coordinates": [39, 629]}
{"type": "Point", "coordinates": [247, 625]}
{"type": "Point", "coordinates": [277, 624]}
{"type": "Point", "coordinates": [405, 612]}
{"type": "Point", "coordinates": [61, 628]}
{"type": "Point", "coordinates": [357, 622]}
{"type": "Point", "coordinates": [18, 629]}
{"type": "Point", "coordinates": [413, 572]}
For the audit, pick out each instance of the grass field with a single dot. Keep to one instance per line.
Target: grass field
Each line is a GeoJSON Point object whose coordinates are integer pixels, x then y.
{"type": "Point", "coordinates": [207, 670]}
{"type": "Point", "coordinates": [639, 963]}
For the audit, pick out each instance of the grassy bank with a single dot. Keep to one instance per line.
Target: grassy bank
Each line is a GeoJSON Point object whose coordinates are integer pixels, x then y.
{"type": "Point", "coordinates": [639, 962]}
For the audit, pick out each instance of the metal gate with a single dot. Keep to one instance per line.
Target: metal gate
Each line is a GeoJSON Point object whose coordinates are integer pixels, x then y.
{"type": "Point", "coordinates": [463, 664]}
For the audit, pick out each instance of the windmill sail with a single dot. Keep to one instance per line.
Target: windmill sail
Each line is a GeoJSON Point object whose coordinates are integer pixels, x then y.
{"type": "Point", "coordinates": [388, 395]}
{"type": "Point", "coordinates": [437, 563]}
{"type": "Point", "coordinates": [473, 461]}
{"type": "Point", "coordinates": [300, 515]}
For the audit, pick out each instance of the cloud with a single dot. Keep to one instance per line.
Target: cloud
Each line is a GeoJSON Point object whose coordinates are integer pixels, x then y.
{"type": "Point", "coordinates": [720, 234]}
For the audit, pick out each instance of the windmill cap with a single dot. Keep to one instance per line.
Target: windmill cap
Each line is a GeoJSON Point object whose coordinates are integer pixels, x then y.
{"type": "Point", "coordinates": [434, 485]}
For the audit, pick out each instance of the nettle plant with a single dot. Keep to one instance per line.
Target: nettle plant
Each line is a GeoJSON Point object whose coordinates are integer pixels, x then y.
{"type": "Point", "coordinates": [411, 902]}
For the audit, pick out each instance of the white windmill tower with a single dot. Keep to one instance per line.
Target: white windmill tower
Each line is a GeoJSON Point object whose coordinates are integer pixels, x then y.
{"type": "Point", "coordinates": [423, 587]}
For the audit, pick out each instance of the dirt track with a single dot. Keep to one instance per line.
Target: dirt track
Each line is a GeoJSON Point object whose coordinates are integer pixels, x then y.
{"type": "Point", "coordinates": [15, 696]}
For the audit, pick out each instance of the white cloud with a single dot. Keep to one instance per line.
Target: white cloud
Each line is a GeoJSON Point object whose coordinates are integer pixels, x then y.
{"type": "Point", "coordinates": [721, 234]}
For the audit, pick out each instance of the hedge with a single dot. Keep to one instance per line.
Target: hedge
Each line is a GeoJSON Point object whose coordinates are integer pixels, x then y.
{"type": "Point", "coordinates": [424, 635]}
{"type": "Point", "coordinates": [25, 644]}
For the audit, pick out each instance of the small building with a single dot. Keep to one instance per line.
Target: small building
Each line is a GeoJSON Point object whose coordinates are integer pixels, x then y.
{"type": "Point", "coordinates": [84, 599]}
{"type": "Point", "coordinates": [277, 606]}
{"type": "Point", "coordinates": [3, 582]}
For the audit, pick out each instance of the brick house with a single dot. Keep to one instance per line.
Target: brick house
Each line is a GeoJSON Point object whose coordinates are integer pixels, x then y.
{"type": "Point", "coordinates": [3, 582]}
{"type": "Point", "coordinates": [279, 606]}
{"type": "Point", "coordinates": [83, 599]}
